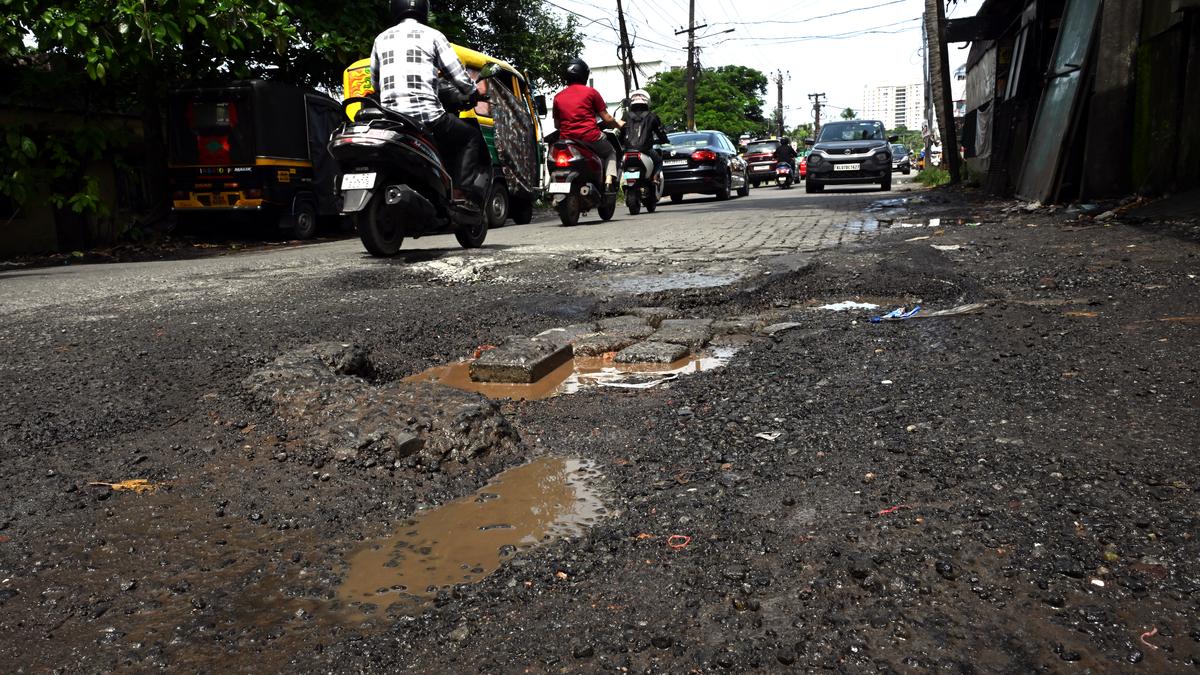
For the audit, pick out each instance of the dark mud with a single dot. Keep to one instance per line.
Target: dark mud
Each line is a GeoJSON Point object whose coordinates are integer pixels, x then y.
{"type": "Point", "coordinates": [1008, 491]}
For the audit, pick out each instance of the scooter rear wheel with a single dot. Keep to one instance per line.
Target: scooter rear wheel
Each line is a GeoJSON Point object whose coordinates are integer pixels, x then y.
{"type": "Point", "coordinates": [608, 206]}
{"type": "Point", "coordinates": [633, 199]}
{"type": "Point", "coordinates": [568, 210]}
{"type": "Point", "coordinates": [380, 228]}
{"type": "Point", "coordinates": [652, 198]}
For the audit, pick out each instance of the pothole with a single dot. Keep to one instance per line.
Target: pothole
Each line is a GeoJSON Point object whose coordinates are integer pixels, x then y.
{"type": "Point", "coordinates": [467, 540]}
{"type": "Point", "coordinates": [672, 281]}
{"type": "Point", "coordinates": [578, 373]}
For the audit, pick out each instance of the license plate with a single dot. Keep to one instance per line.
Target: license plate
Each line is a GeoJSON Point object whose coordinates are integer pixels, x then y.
{"type": "Point", "coordinates": [559, 188]}
{"type": "Point", "coordinates": [845, 167]}
{"type": "Point", "coordinates": [632, 175]}
{"type": "Point", "coordinates": [675, 162]}
{"type": "Point", "coordinates": [358, 181]}
{"type": "Point", "coordinates": [762, 166]}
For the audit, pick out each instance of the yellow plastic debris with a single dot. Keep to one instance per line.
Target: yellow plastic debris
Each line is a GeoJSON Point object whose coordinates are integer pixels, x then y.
{"type": "Point", "coordinates": [138, 485]}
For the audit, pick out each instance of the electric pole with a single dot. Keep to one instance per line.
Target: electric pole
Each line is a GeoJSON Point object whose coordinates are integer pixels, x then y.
{"type": "Point", "coordinates": [939, 70]}
{"type": "Point", "coordinates": [779, 104]}
{"type": "Point", "coordinates": [816, 99]}
{"type": "Point", "coordinates": [624, 52]}
{"type": "Point", "coordinates": [691, 64]}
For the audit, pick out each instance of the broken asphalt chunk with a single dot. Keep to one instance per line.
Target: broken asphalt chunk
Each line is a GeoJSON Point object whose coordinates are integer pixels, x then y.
{"type": "Point", "coordinates": [652, 352]}
{"type": "Point", "coordinates": [689, 332]}
{"type": "Point", "coordinates": [520, 361]}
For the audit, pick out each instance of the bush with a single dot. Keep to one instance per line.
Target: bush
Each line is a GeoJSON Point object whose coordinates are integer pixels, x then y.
{"type": "Point", "coordinates": [933, 176]}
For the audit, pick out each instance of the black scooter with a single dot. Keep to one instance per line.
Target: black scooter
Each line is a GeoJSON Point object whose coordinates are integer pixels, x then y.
{"type": "Point", "coordinates": [643, 182]}
{"type": "Point", "coordinates": [576, 179]}
{"type": "Point", "coordinates": [393, 182]}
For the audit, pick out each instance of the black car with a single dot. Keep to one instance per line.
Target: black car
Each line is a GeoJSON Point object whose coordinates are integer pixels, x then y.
{"type": "Point", "coordinates": [704, 162]}
{"type": "Point", "coordinates": [901, 158]}
{"type": "Point", "coordinates": [847, 153]}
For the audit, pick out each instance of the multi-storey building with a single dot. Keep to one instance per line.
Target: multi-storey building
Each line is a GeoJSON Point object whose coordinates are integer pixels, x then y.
{"type": "Point", "coordinates": [894, 105]}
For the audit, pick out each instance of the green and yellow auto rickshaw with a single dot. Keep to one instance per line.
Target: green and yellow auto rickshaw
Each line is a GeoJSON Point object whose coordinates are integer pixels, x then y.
{"type": "Point", "coordinates": [253, 147]}
{"type": "Point", "coordinates": [510, 126]}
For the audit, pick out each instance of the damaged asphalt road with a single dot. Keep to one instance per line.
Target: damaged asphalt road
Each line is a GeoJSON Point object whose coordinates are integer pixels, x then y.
{"type": "Point", "coordinates": [1011, 489]}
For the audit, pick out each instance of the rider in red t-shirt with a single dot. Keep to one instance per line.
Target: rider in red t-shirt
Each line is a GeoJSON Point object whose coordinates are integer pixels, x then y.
{"type": "Point", "coordinates": [575, 111]}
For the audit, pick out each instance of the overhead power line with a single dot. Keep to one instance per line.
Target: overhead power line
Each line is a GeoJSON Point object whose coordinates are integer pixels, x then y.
{"type": "Point", "coordinates": [776, 22]}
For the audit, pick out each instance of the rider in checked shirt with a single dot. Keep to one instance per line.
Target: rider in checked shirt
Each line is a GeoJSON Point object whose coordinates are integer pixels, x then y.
{"type": "Point", "coordinates": [407, 62]}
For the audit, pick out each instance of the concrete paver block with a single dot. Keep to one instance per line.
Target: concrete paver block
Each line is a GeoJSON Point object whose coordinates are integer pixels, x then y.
{"type": "Point", "coordinates": [652, 352]}
{"type": "Point", "coordinates": [601, 343]}
{"type": "Point", "coordinates": [689, 332]}
{"type": "Point", "coordinates": [520, 361]}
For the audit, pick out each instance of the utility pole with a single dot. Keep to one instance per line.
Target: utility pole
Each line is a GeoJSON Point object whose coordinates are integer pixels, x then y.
{"type": "Point", "coordinates": [779, 103]}
{"type": "Point", "coordinates": [816, 99]}
{"type": "Point", "coordinates": [939, 70]}
{"type": "Point", "coordinates": [691, 64]}
{"type": "Point", "coordinates": [625, 51]}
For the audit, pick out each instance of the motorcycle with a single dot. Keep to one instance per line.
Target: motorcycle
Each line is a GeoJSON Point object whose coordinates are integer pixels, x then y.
{"type": "Point", "coordinates": [643, 182]}
{"type": "Point", "coordinates": [393, 181]}
{"type": "Point", "coordinates": [783, 175]}
{"type": "Point", "coordinates": [576, 177]}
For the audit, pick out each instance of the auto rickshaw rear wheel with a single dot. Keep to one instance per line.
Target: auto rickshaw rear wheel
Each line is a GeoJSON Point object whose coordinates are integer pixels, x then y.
{"type": "Point", "coordinates": [497, 204]}
{"type": "Point", "coordinates": [302, 222]}
{"type": "Point", "coordinates": [521, 210]}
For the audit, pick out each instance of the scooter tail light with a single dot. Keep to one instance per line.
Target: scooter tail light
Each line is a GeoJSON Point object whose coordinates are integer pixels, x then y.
{"type": "Point", "coordinates": [704, 156]}
{"type": "Point", "coordinates": [635, 156]}
{"type": "Point", "coordinates": [562, 156]}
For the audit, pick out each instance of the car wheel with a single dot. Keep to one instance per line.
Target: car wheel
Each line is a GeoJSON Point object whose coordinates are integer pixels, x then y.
{"type": "Point", "coordinates": [723, 193]}
{"type": "Point", "coordinates": [811, 186]}
{"type": "Point", "coordinates": [675, 199]}
{"type": "Point", "coordinates": [907, 170]}
{"type": "Point", "coordinates": [886, 185]}
{"type": "Point", "coordinates": [744, 191]}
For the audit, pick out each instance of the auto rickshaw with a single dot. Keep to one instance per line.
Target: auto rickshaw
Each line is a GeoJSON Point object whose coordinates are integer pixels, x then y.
{"type": "Point", "coordinates": [510, 126]}
{"type": "Point", "coordinates": [254, 147]}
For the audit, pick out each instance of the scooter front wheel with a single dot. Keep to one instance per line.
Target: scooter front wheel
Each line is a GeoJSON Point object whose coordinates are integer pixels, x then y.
{"type": "Point", "coordinates": [568, 210]}
{"type": "Point", "coordinates": [380, 228]}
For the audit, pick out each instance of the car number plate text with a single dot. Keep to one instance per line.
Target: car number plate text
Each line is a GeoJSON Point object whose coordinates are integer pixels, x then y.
{"type": "Point", "coordinates": [358, 181]}
{"type": "Point", "coordinates": [559, 188]}
{"type": "Point", "coordinates": [845, 167]}
{"type": "Point", "coordinates": [675, 162]}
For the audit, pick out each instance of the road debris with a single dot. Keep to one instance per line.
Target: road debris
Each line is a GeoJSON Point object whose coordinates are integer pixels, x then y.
{"type": "Point", "coordinates": [769, 435]}
{"type": "Point", "coordinates": [135, 485]}
{"type": "Point", "coordinates": [847, 305]}
{"type": "Point", "coordinates": [947, 247]}
{"type": "Point", "coordinates": [892, 509]}
{"type": "Point", "coordinates": [1149, 633]}
{"type": "Point", "coordinates": [678, 542]}
{"type": "Point", "coordinates": [898, 314]}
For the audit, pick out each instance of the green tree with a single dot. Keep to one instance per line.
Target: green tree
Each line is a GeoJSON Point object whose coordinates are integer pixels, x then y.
{"type": "Point", "coordinates": [728, 99]}
{"type": "Point", "coordinates": [849, 114]}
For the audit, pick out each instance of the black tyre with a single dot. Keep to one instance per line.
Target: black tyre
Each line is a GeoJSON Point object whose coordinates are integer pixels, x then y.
{"type": "Point", "coordinates": [886, 185]}
{"type": "Point", "coordinates": [302, 224]}
{"type": "Point", "coordinates": [521, 210]}
{"type": "Point", "coordinates": [473, 236]}
{"type": "Point", "coordinates": [568, 210]}
{"type": "Point", "coordinates": [651, 200]}
{"type": "Point", "coordinates": [608, 206]}
{"type": "Point", "coordinates": [633, 199]}
{"type": "Point", "coordinates": [811, 186]}
{"type": "Point", "coordinates": [380, 228]}
{"type": "Point", "coordinates": [723, 193]}
{"type": "Point", "coordinates": [675, 199]}
{"type": "Point", "coordinates": [907, 170]}
{"type": "Point", "coordinates": [756, 183]}
{"type": "Point", "coordinates": [744, 191]}
{"type": "Point", "coordinates": [497, 204]}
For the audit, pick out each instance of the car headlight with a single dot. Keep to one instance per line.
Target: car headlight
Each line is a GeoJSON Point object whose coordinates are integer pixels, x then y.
{"type": "Point", "coordinates": [882, 156]}
{"type": "Point", "coordinates": [814, 158]}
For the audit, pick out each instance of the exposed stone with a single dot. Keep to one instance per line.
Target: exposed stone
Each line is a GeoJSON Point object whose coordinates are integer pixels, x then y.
{"type": "Point", "coordinates": [736, 325]}
{"type": "Point", "coordinates": [601, 343]}
{"type": "Point", "coordinates": [655, 315]}
{"type": "Point", "coordinates": [652, 352]}
{"type": "Point", "coordinates": [780, 327]}
{"type": "Point", "coordinates": [689, 332]}
{"type": "Point", "coordinates": [520, 361]}
{"type": "Point", "coordinates": [568, 334]}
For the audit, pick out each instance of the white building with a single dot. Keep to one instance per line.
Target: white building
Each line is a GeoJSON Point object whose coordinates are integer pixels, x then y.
{"type": "Point", "coordinates": [611, 84]}
{"type": "Point", "coordinates": [894, 105]}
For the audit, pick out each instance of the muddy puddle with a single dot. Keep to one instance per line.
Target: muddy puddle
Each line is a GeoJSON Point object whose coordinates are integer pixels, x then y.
{"type": "Point", "coordinates": [577, 374]}
{"type": "Point", "coordinates": [466, 540]}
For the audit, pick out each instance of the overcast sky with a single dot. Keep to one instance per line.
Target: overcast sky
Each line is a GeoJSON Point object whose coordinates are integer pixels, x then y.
{"type": "Point", "coordinates": [865, 42]}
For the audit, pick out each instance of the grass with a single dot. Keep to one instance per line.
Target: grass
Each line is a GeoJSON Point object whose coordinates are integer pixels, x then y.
{"type": "Point", "coordinates": [933, 176]}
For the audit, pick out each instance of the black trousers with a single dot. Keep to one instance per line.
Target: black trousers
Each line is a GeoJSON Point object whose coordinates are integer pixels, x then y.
{"type": "Point", "coordinates": [463, 150]}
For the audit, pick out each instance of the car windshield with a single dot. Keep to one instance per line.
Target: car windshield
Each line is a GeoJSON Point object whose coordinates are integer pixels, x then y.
{"type": "Point", "coordinates": [899, 149]}
{"type": "Point", "coordinates": [766, 146]}
{"type": "Point", "coordinates": [851, 131]}
{"type": "Point", "coordinates": [690, 140]}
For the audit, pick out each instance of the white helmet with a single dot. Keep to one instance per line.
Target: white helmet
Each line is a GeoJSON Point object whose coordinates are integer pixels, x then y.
{"type": "Point", "coordinates": [639, 97]}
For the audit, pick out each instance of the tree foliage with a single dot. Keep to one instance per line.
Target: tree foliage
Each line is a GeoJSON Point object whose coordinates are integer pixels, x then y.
{"type": "Point", "coordinates": [728, 99]}
{"type": "Point", "coordinates": [849, 114]}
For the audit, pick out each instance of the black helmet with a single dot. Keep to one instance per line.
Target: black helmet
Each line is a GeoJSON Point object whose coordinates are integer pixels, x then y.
{"type": "Point", "coordinates": [577, 72]}
{"type": "Point", "coordinates": [410, 9]}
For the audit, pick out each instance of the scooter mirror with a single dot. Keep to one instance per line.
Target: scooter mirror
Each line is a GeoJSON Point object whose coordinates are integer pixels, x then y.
{"type": "Point", "coordinates": [539, 104]}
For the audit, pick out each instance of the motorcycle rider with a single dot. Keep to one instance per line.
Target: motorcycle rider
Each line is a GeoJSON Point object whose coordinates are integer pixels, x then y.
{"type": "Point", "coordinates": [575, 111]}
{"type": "Point", "coordinates": [643, 129]}
{"type": "Point", "coordinates": [407, 62]}
{"type": "Point", "coordinates": [785, 153]}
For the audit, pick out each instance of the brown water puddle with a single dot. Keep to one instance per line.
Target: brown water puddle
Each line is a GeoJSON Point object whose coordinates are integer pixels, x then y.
{"type": "Point", "coordinates": [466, 540]}
{"type": "Point", "coordinates": [576, 374]}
